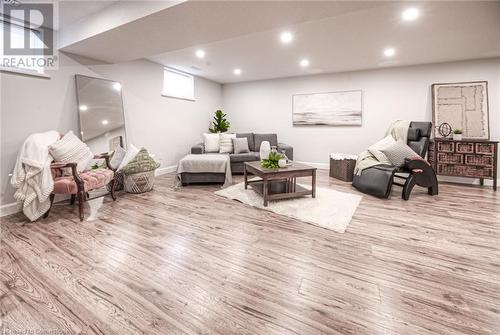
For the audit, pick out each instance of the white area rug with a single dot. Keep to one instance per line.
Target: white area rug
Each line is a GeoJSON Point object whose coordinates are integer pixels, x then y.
{"type": "Point", "coordinates": [330, 209]}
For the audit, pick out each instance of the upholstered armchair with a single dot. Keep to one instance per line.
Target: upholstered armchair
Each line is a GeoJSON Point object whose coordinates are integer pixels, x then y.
{"type": "Point", "coordinates": [378, 180]}
{"type": "Point", "coordinates": [78, 184]}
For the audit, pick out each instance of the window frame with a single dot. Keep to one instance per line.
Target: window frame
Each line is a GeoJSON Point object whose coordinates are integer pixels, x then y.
{"type": "Point", "coordinates": [181, 73]}
{"type": "Point", "coordinates": [18, 70]}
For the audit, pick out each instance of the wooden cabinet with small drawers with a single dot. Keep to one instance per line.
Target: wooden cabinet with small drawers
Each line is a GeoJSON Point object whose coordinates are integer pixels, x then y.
{"type": "Point", "coordinates": [466, 158]}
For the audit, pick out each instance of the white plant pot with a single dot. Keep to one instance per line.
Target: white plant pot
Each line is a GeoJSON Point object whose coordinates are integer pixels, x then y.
{"type": "Point", "coordinates": [282, 163]}
{"type": "Point", "coordinates": [265, 148]}
{"type": "Point", "coordinates": [457, 137]}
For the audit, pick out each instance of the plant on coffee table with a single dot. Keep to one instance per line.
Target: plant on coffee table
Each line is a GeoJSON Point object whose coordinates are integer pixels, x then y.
{"type": "Point", "coordinates": [272, 161]}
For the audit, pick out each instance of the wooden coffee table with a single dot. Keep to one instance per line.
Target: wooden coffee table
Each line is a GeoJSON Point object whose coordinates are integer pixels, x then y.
{"type": "Point", "coordinates": [281, 183]}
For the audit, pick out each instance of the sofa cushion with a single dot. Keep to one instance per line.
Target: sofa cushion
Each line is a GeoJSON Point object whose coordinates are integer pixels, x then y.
{"type": "Point", "coordinates": [250, 139]}
{"type": "Point", "coordinates": [226, 143]}
{"type": "Point", "coordinates": [246, 157]}
{"type": "Point", "coordinates": [240, 145]}
{"type": "Point", "coordinates": [92, 180]}
{"type": "Point", "coordinates": [271, 138]}
{"type": "Point", "coordinates": [211, 142]}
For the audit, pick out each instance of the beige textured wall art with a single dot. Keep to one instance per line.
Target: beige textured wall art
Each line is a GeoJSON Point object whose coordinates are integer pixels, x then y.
{"type": "Point", "coordinates": [464, 106]}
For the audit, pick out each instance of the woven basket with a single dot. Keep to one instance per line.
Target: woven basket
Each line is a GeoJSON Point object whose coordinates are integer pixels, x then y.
{"type": "Point", "coordinates": [342, 169]}
{"type": "Point", "coordinates": [139, 182]}
{"type": "Point", "coordinates": [118, 182]}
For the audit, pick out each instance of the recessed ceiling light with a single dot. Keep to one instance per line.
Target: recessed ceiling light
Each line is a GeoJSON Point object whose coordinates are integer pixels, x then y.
{"type": "Point", "coordinates": [83, 108]}
{"type": "Point", "coordinates": [286, 37]}
{"type": "Point", "coordinates": [389, 52]}
{"type": "Point", "coordinates": [200, 53]}
{"type": "Point", "coordinates": [104, 122]}
{"type": "Point", "coordinates": [237, 72]}
{"type": "Point", "coordinates": [304, 62]}
{"type": "Point", "coordinates": [117, 86]}
{"type": "Point", "coordinates": [410, 14]}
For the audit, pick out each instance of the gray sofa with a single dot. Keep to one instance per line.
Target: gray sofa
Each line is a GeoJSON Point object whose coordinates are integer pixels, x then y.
{"type": "Point", "coordinates": [254, 141]}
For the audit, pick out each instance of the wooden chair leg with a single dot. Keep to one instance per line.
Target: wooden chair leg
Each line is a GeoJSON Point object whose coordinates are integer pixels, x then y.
{"type": "Point", "coordinates": [408, 187]}
{"type": "Point", "coordinates": [434, 188]}
{"type": "Point", "coordinates": [81, 199]}
{"type": "Point", "coordinates": [72, 200]}
{"type": "Point", "coordinates": [113, 185]}
{"type": "Point", "coordinates": [51, 203]}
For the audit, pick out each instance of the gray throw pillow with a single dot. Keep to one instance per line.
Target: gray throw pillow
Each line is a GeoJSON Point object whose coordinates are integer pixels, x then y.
{"type": "Point", "coordinates": [250, 139]}
{"type": "Point", "coordinates": [397, 152]}
{"type": "Point", "coordinates": [240, 145]}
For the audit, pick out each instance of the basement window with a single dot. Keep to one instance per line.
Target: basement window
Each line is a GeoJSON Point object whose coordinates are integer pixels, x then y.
{"type": "Point", "coordinates": [177, 84]}
{"type": "Point", "coordinates": [19, 64]}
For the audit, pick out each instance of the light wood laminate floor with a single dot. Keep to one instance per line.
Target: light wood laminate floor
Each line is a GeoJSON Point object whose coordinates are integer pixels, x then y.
{"type": "Point", "coordinates": [189, 262]}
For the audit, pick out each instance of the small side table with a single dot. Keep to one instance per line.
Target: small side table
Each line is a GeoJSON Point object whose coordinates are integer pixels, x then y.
{"type": "Point", "coordinates": [342, 166]}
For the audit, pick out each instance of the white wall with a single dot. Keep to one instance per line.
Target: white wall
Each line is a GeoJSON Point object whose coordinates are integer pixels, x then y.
{"type": "Point", "coordinates": [168, 127]}
{"type": "Point", "coordinates": [388, 94]}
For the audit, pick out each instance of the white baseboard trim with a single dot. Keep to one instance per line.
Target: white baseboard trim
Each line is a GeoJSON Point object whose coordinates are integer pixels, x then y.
{"type": "Point", "coordinates": [166, 169]}
{"type": "Point", "coordinates": [11, 208]}
{"type": "Point", "coordinates": [319, 166]}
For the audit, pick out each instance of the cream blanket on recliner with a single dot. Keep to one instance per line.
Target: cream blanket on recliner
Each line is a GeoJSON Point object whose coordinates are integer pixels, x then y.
{"type": "Point", "coordinates": [32, 176]}
{"type": "Point", "coordinates": [398, 130]}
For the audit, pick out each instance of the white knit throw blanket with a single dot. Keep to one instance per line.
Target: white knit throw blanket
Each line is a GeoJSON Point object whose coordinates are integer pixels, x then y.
{"type": "Point", "coordinates": [398, 130]}
{"type": "Point", "coordinates": [32, 176]}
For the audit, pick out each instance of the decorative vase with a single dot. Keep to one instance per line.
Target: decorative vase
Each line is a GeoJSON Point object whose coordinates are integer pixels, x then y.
{"type": "Point", "coordinates": [457, 137]}
{"type": "Point", "coordinates": [265, 149]}
{"type": "Point", "coordinates": [282, 163]}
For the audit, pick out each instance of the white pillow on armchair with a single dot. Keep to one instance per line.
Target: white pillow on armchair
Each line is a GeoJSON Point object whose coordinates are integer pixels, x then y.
{"type": "Point", "coordinates": [377, 148]}
{"type": "Point", "coordinates": [70, 149]}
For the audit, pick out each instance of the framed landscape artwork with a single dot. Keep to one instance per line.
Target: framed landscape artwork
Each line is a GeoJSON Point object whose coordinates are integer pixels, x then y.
{"type": "Point", "coordinates": [331, 108]}
{"type": "Point", "coordinates": [463, 106]}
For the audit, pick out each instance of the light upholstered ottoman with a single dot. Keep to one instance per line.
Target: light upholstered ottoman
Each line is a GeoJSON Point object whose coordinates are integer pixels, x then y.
{"type": "Point", "coordinates": [204, 168]}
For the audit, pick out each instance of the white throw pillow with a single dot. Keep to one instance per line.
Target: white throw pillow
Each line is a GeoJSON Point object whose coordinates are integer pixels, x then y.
{"type": "Point", "coordinates": [70, 149]}
{"type": "Point", "coordinates": [132, 151]}
{"type": "Point", "coordinates": [211, 142]}
{"type": "Point", "coordinates": [377, 148]}
{"type": "Point", "coordinates": [398, 152]}
{"type": "Point", "coordinates": [226, 143]}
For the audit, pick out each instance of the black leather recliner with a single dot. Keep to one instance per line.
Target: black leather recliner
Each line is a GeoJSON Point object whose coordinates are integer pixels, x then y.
{"type": "Point", "coordinates": [378, 180]}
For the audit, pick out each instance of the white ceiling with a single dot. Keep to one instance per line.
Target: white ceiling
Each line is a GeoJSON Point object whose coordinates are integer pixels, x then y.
{"type": "Point", "coordinates": [71, 12]}
{"type": "Point", "coordinates": [334, 36]}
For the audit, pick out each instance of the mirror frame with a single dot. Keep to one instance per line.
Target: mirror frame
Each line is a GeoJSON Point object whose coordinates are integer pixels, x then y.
{"type": "Point", "coordinates": [125, 143]}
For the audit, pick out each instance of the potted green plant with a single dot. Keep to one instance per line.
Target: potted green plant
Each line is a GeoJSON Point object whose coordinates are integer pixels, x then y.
{"type": "Point", "coordinates": [220, 124]}
{"type": "Point", "coordinates": [273, 161]}
{"type": "Point", "coordinates": [457, 134]}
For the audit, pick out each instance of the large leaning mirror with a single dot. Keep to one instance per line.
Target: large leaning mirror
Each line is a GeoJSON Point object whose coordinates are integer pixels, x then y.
{"type": "Point", "coordinates": [100, 109]}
